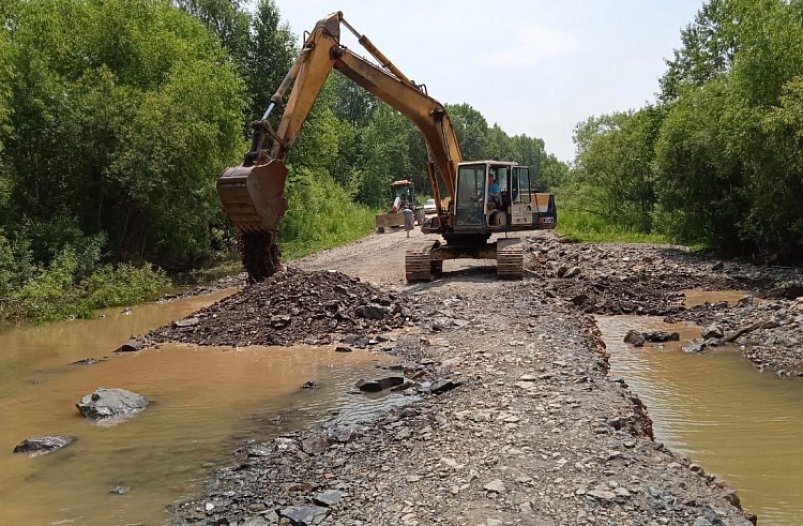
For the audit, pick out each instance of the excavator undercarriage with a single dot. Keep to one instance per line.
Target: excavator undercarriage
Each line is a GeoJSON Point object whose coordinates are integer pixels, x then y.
{"type": "Point", "coordinates": [423, 260]}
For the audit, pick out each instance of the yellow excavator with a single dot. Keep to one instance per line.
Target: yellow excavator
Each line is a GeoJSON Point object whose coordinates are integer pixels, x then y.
{"type": "Point", "coordinates": [474, 199]}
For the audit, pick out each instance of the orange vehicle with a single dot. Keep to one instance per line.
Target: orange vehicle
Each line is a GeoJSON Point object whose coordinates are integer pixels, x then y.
{"type": "Point", "coordinates": [474, 199]}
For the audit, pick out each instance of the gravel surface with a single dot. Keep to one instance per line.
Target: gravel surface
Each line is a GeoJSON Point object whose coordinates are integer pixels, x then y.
{"type": "Point", "coordinates": [506, 413]}
{"type": "Point", "coordinates": [293, 306]}
{"type": "Point", "coordinates": [537, 433]}
{"type": "Point", "coordinates": [620, 278]}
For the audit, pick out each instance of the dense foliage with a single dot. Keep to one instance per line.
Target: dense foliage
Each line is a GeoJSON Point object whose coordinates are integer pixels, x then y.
{"type": "Point", "coordinates": [119, 113]}
{"type": "Point", "coordinates": [117, 116]}
{"type": "Point", "coordinates": [717, 159]}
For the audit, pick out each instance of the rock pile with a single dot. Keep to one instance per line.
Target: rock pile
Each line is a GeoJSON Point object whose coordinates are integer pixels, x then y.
{"type": "Point", "coordinates": [539, 434]}
{"type": "Point", "coordinates": [291, 307]}
{"type": "Point", "coordinates": [620, 278]}
{"type": "Point", "coordinates": [643, 279]}
{"type": "Point", "coordinates": [769, 332]}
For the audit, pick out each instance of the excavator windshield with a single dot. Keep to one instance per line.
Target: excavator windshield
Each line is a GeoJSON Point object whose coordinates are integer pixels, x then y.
{"type": "Point", "coordinates": [470, 203]}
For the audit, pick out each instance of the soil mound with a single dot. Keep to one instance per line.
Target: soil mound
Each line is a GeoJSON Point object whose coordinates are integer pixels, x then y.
{"type": "Point", "coordinates": [291, 307]}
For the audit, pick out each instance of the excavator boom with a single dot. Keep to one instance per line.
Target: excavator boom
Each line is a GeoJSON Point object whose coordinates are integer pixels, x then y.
{"type": "Point", "coordinates": [252, 194]}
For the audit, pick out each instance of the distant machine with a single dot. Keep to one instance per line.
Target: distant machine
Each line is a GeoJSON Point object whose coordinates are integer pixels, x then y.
{"type": "Point", "coordinates": [402, 194]}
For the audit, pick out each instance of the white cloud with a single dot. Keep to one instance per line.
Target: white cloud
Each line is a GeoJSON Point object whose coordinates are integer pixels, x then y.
{"type": "Point", "coordinates": [531, 46]}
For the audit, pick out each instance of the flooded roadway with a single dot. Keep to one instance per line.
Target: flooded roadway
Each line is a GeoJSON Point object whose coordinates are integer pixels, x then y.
{"type": "Point", "coordinates": [206, 401]}
{"type": "Point", "coordinates": [719, 411]}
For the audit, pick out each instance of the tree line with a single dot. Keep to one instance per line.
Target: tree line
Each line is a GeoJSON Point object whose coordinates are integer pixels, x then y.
{"type": "Point", "coordinates": [117, 116]}
{"type": "Point", "coordinates": [717, 158]}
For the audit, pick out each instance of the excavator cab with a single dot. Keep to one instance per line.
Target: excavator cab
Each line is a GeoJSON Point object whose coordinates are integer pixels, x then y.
{"type": "Point", "coordinates": [471, 196]}
{"type": "Point", "coordinates": [495, 196]}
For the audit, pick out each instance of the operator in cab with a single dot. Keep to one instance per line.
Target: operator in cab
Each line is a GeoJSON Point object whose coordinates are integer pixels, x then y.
{"type": "Point", "coordinates": [494, 191]}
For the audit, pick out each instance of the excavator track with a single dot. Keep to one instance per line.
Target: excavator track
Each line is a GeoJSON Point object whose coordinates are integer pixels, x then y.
{"type": "Point", "coordinates": [418, 262]}
{"type": "Point", "coordinates": [509, 259]}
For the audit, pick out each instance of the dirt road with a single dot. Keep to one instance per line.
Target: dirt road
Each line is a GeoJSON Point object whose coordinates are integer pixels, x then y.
{"type": "Point", "coordinates": [509, 417]}
{"type": "Point", "coordinates": [379, 259]}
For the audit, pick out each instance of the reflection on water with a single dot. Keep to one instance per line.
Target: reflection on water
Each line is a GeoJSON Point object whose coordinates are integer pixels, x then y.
{"type": "Point", "coordinates": [718, 410]}
{"type": "Point", "coordinates": [205, 401]}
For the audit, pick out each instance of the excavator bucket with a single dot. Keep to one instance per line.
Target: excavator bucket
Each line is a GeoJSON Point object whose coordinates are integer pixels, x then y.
{"type": "Point", "coordinates": [253, 199]}
{"type": "Point", "coordinates": [253, 196]}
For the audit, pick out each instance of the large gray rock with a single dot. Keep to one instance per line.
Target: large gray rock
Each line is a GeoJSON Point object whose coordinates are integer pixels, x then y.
{"type": "Point", "coordinates": [373, 311]}
{"type": "Point", "coordinates": [305, 515]}
{"type": "Point", "coordinates": [661, 336]}
{"type": "Point", "coordinates": [43, 445]}
{"type": "Point", "coordinates": [328, 498]}
{"type": "Point", "coordinates": [694, 347]}
{"type": "Point", "coordinates": [634, 338]}
{"type": "Point", "coordinates": [713, 331]}
{"type": "Point", "coordinates": [111, 404]}
{"type": "Point", "coordinates": [314, 444]}
{"type": "Point", "coordinates": [130, 346]}
{"type": "Point", "coordinates": [379, 384]}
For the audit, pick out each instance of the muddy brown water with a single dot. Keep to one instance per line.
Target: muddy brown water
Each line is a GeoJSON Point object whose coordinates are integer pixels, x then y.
{"type": "Point", "coordinates": [698, 297]}
{"type": "Point", "coordinates": [206, 401]}
{"type": "Point", "coordinates": [715, 408]}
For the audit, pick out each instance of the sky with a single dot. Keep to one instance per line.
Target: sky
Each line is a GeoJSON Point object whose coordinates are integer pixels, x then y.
{"type": "Point", "coordinates": [536, 67]}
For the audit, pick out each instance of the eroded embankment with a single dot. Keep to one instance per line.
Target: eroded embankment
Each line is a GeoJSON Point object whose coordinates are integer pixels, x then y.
{"type": "Point", "coordinates": [616, 278]}
{"type": "Point", "coordinates": [535, 433]}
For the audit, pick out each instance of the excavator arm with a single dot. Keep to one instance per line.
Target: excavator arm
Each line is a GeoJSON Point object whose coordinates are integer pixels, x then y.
{"type": "Point", "coordinates": [253, 193]}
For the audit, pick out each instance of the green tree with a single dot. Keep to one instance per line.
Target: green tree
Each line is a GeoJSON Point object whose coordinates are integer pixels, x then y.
{"type": "Point", "coordinates": [709, 47]}
{"type": "Point", "coordinates": [776, 185]}
{"type": "Point", "coordinates": [229, 21]}
{"type": "Point", "coordinates": [5, 115]}
{"type": "Point", "coordinates": [124, 114]}
{"type": "Point", "coordinates": [387, 155]}
{"type": "Point", "coordinates": [350, 102]}
{"type": "Point", "coordinates": [270, 54]}
{"type": "Point", "coordinates": [614, 156]}
{"type": "Point", "coordinates": [471, 129]}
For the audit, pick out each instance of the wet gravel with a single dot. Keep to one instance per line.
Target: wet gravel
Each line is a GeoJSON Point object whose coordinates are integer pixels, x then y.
{"type": "Point", "coordinates": [644, 279]}
{"type": "Point", "coordinates": [531, 430]}
{"type": "Point", "coordinates": [291, 307]}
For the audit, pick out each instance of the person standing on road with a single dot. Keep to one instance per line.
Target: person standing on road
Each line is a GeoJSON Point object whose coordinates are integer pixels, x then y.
{"type": "Point", "coordinates": [409, 218]}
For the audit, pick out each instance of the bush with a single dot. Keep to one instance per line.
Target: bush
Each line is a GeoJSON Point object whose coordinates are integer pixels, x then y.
{"type": "Point", "coordinates": [73, 284]}
{"type": "Point", "coordinates": [321, 214]}
{"type": "Point", "coordinates": [51, 295]}
{"type": "Point", "coordinates": [582, 225]}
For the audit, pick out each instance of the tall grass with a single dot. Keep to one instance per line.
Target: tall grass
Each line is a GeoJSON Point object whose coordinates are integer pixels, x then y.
{"type": "Point", "coordinates": [320, 215]}
{"type": "Point", "coordinates": [583, 225]}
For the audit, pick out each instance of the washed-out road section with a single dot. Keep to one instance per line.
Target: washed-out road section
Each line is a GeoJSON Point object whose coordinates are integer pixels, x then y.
{"type": "Point", "coordinates": [536, 431]}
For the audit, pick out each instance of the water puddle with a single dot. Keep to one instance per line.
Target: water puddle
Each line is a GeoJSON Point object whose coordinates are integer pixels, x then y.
{"type": "Point", "coordinates": [206, 401]}
{"type": "Point", "coordinates": [694, 297]}
{"type": "Point", "coordinates": [719, 411]}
